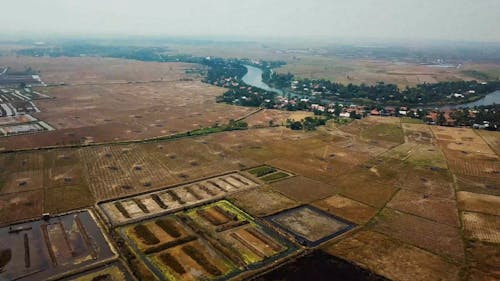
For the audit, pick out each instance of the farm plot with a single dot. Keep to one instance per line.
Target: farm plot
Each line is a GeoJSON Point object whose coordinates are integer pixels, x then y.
{"type": "Point", "coordinates": [435, 237]}
{"type": "Point", "coordinates": [481, 226]}
{"type": "Point", "coordinates": [21, 205]}
{"type": "Point", "coordinates": [399, 261]}
{"type": "Point", "coordinates": [492, 138]}
{"type": "Point", "coordinates": [309, 225]}
{"type": "Point", "coordinates": [55, 247]}
{"type": "Point", "coordinates": [268, 173]}
{"type": "Point", "coordinates": [474, 202]}
{"type": "Point", "coordinates": [441, 210]}
{"type": "Point", "coordinates": [175, 198]}
{"type": "Point", "coordinates": [115, 171]}
{"type": "Point", "coordinates": [469, 164]}
{"type": "Point", "coordinates": [215, 241]}
{"type": "Point", "coordinates": [461, 139]}
{"type": "Point", "coordinates": [481, 185]}
{"type": "Point", "coordinates": [262, 201]}
{"type": "Point", "coordinates": [418, 133]}
{"type": "Point", "coordinates": [113, 272]}
{"type": "Point", "coordinates": [346, 208]}
{"type": "Point", "coordinates": [302, 189]}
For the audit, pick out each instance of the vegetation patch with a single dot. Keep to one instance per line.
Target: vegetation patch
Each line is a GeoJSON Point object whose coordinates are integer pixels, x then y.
{"type": "Point", "coordinates": [169, 227]}
{"type": "Point", "coordinates": [170, 261]}
{"type": "Point", "coordinates": [122, 209]}
{"type": "Point", "coordinates": [145, 235]}
{"type": "Point", "coordinates": [201, 260]}
{"type": "Point", "coordinates": [275, 176]}
{"type": "Point", "coordinates": [262, 171]}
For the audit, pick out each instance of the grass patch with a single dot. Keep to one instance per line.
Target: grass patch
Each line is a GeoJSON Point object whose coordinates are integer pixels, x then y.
{"type": "Point", "coordinates": [146, 235]}
{"type": "Point", "coordinates": [411, 120]}
{"type": "Point", "coordinates": [262, 171]}
{"type": "Point", "coordinates": [384, 132]}
{"type": "Point", "coordinates": [274, 176]}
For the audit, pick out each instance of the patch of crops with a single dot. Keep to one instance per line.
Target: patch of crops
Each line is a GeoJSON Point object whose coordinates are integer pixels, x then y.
{"type": "Point", "coordinates": [168, 260]}
{"type": "Point", "coordinates": [158, 201]}
{"type": "Point", "coordinates": [274, 176]}
{"type": "Point", "coordinates": [262, 171]}
{"type": "Point", "coordinates": [141, 205]}
{"type": "Point", "coordinates": [122, 210]}
{"type": "Point", "coordinates": [169, 227]}
{"type": "Point", "coordinates": [146, 235]}
{"type": "Point", "coordinates": [201, 260]}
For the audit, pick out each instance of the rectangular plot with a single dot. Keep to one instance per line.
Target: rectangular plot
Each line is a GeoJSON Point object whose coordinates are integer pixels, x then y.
{"type": "Point", "coordinates": [54, 247]}
{"type": "Point", "coordinates": [309, 225]}
{"type": "Point", "coordinates": [175, 198]}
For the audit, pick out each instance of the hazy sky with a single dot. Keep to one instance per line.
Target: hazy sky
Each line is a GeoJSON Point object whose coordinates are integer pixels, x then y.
{"type": "Point", "coordinates": [470, 20]}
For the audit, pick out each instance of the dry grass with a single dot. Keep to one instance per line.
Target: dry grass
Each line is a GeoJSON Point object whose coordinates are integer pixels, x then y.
{"type": "Point", "coordinates": [391, 258]}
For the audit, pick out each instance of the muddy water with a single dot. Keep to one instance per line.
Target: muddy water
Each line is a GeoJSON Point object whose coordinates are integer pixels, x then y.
{"type": "Point", "coordinates": [320, 266]}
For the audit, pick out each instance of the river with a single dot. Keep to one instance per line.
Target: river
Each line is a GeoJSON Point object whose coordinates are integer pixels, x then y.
{"type": "Point", "coordinates": [253, 77]}
{"type": "Point", "coordinates": [489, 99]}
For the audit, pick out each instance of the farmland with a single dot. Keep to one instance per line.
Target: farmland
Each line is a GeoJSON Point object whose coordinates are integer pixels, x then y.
{"type": "Point", "coordinates": [234, 204]}
{"type": "Point", "coordinates": [217, 241]}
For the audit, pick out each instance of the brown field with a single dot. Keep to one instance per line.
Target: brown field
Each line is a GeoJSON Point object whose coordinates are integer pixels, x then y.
{"type": "Point", "coordinates": [472, 164]}
{"type": "Point", "coordinates": [393, 259]}
{"type": "Point", "coordinates": [277, 117]}
{"type": "Point", "coordinates": [372, 184]}
{"type": "Point", "coordinates": [438, 209]}
{"type": "Point", "coordinates": [427, 181]}
{"type": "Point", "coordinates": [491, 138]}
{"type": "Point", "coordinates": [346, 208]}
{"type": "Point", "coordinates": [482, 185]}
{"type": "Point", "coordinates": [302, 189]}
{"type": "Point", "coordinates": [482, 227]}
{"type": "Point", "coordinates": [262, 201]}
{"type": "Point", "coordinates": [92, 70]}
{"type": "Point", "coordinates": [434, 237]}
{"type": "Point", "coordinates": [481, 203]}
{"type": "Point", "coordinates": [21, 205]}
{"type": "Point", "coordinates": [485, 260]}
{"type": "Point", "coordinates": [359, 71]}
{"type": "Point", "coordinates": [461, 139]}
{"type": "Point", "coordinates": [110, 99]}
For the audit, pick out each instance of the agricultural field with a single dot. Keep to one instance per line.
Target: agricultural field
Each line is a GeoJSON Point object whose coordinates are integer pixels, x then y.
{"type": "Point", "coordinates": [54, 247]}
{"type": "Point", "coordinates": [400, 261]}
{"type": "Point", "coordinates": [213, 241]}
{"type": "Point", "coordinates": [268, 174]}
{"type": "Point", "coordinates": [357, 71]}
{"type": "Point", "coordinates": [96, 100]}
{"type": "Point", "coordinates": [111, 272]}
{"type": "Point", "coordinates": [173, 199]}
{"type": "Point", "coordinates": [422, 197]}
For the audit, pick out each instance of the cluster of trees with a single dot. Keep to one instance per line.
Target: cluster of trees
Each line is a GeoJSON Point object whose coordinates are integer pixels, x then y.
{"type": "Point", "coordinates": [489, 114]}
{"type": "Point", "coordinates": [385, 94]}
{"type": "Point", "coordinates": [308, 123]}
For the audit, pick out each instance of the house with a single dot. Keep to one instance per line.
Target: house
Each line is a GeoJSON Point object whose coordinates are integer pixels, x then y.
{"type": "Point", "coordinates": [375, 112]}
{"type": "Point", "coordinates": [345, 115]}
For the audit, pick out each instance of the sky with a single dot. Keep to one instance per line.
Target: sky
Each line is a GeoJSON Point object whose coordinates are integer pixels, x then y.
{"type": "Point", "coordinates": [463, 20]}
